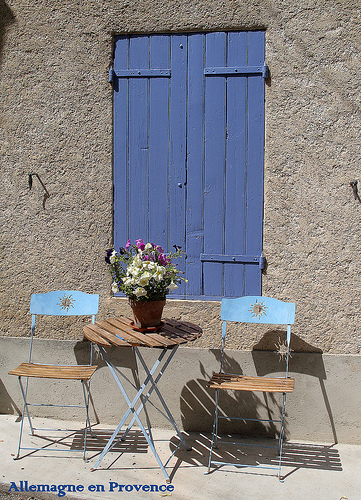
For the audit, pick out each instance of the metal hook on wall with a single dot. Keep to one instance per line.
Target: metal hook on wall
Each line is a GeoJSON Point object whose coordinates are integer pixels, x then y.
{"type": "Point", "coordinates": [353, 184]}
{"type": "Point", "coordinates": [46, 195]}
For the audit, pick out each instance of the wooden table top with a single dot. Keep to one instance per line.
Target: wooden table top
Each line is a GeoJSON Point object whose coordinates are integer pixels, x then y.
{"type": "Point", "coordinates": [119, 332]}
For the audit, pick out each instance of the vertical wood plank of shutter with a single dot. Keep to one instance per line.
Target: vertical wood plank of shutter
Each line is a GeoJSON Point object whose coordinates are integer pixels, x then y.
{"type": "Point", "coordinates": [255, 153]}
{"type": "Point", "coordinates": [235, 200]}
{"type": "Point", "coordinates": [138, 141]}
{"type": "Point", "coordinates": [215, 114]}
{"type": "Point", "coordinates": [195, 163]}
{"type": "Point", "coordinates": [133, 154]}
{"type": "Point", "coordinates": [120, 99]}
{"type": "Point", "coordinates": [177, 142]}
{"type": "Point", "coordinates": [158, 140]}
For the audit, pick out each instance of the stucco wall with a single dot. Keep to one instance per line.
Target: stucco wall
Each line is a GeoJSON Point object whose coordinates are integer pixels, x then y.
{"type": "Point", "coordinates": [56, 121]}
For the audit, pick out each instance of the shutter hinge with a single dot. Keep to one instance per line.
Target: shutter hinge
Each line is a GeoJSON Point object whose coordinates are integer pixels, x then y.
{"type": "Point", "coordinates": [111, 75]}
{"type": "Point", "coordinates": [262, 262]}
{"type": "Point", "coordinates": [265, 71]}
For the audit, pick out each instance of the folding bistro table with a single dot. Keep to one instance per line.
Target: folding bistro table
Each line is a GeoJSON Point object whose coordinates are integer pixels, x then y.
{"type": "Point", "coordinates": [119, 332]}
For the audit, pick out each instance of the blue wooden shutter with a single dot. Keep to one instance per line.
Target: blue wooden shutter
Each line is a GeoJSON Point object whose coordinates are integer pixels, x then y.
{"type": "Point", "coordinates": [188, 154]}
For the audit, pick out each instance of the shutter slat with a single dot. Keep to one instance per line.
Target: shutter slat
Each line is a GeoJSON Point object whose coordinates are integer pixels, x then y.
{"type": "Point", "coordinates": [215, 122]}
{"type": "Point", "coordinates": [195, 164]}
{"type": "Point", "coordinates": [255, 154]}
{"type": "Point", "coordinates": [158, 142]}
{"type": "Point", "coordinates": [177, 148]}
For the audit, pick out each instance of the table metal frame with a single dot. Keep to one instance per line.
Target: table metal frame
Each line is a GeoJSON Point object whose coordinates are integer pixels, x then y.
{"type": "Point", "coordinates": [167, 348]}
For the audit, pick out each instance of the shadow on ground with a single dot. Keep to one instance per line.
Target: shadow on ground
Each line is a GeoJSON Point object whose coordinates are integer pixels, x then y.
{"type": "Point", "coordinates": [295, 456]}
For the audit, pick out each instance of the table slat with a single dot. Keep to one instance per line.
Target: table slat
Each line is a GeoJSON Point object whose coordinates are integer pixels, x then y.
{"type": "Point", "coordinates": [145, 338]}
{"type": "Point", "coordinates": [185, 326]}
{"type": "Point", "coordinates": [164, 341]}
{"type": "Point", "coordinates": [94, 337]}
{"type": "Point", "coordinates": [119, 332]}
{"type": "Point", "coordinates": [108, 326]}
{"type": "Point", "coordinates": [108, 336]}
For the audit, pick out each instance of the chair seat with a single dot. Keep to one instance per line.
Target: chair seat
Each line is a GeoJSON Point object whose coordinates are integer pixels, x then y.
{"type": "Point", "coordinates": [242, 383]}
{"type": "Point", "coordinates": [78, 372]}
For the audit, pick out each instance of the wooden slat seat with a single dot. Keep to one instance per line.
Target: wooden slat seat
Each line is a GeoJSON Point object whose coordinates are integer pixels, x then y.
{"type": "Point", "coordinates": [79, 372]}
{"type": "Point", "coordinates": [243, 383]}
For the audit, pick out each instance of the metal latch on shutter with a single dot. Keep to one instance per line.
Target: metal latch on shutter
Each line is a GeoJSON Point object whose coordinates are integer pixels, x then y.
{"type": "Point", "coordinates": [237, 70]}
{"type": "Point", "coordinates": [234, 259]}
{"type": "Point", "coordinates": [133, 73]}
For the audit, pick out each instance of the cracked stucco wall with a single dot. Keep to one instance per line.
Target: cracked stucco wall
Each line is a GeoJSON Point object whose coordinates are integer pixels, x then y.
{"type": "Point", "coordinates": [56, 121]}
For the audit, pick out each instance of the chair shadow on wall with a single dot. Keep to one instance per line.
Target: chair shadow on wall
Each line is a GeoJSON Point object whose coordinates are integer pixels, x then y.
{"type": "Point", "coordinates": [197, 407]}
{"type": "Point", "coordinates": [7, 404]}
{"type": "Point", "coordinates": [6, 18]}
{"type": "Point", "coordinates": [265, 360]}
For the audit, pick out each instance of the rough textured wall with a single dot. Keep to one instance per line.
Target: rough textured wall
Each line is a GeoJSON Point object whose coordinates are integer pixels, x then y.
{"type": "Point", "coordinates": [313, 122]}
{"type": "Point", "coordinates": [56, 121]}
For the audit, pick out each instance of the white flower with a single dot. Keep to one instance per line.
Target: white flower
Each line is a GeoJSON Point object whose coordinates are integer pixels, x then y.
{"type": "Point", "coordinates": [148, 246]}
{"type": "Point", "coordinates": [159, 273]}
{"type": "Point", "coordinates": [128, 281]}
{"type": "Point", "coordinates": [140, 292]}
{"type": "Point", "coordinates": [133, 271]}
{"type": "Point", "coordinates": [148, 264]}
{"type": "Point", "coordinates": [172, 286]}
{"type": "Point", "coordinates": [144, 279]}
{"type": "Point", "coordinates": [114, 287]}
{"type": "Point", "coordinates": [112, 257]}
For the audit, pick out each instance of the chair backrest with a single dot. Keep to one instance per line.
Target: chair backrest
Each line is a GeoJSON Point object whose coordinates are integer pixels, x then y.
{"type": "Point", "coordinates": [259, 310]}
{"type": "Point", "coordinates": [62, 303]}
{"type": "Point", "coordinates": [254, 309]}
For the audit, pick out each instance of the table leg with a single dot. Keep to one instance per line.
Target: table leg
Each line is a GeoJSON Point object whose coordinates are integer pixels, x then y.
{"type": "Point", "coordinates": [161, 399]}
{"type": "Point", "coordinates": [144, 399]}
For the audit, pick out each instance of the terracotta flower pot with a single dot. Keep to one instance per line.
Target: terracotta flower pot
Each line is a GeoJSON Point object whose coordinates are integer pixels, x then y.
{"type": "Point", "coordinates": [147, 314]}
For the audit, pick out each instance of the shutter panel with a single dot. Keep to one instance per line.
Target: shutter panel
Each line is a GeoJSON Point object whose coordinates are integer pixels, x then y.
{"type": "Point", "coordinates": [177, 148]}
{"type": "Point", "coordinates": [214, 163]}
{"type": "Point", "coordinates": [195, 159]}
{"type": "Point", "coordinates": [188, 153]}
{"type": "Point", "coordinates": [255, 158]}
{"type": "Point", "coordinates": [235, 67]}
{"type": "Point", "coordinates": [236, 157]}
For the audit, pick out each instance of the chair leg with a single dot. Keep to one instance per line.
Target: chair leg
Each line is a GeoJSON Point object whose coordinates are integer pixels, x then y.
{"type": "Point", "coordinates": [86, 393]}
{"type": "Point", "coordinates": [24, 393]}
{"type": "Point", "coordinates": [214, 442]}
{"type": "Point", "coordinates": [25, 411]}
{"type": "Point", "coordinates": [281, 436]}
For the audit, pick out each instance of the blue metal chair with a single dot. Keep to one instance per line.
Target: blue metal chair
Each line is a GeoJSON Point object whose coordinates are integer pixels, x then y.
{"type": "Point", "coordinates": [258, 310]}
{"type": "Point", "coordinates": [57, 303]}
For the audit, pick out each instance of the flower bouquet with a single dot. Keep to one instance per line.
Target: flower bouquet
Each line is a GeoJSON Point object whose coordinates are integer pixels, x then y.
{"type": "Point", "coordinates": [143, 271]}
{"type": "Point", "coordinates": [145, 274]}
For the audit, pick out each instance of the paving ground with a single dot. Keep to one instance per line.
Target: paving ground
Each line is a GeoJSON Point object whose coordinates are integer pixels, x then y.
{"type": "Point", "coordinates": [312, 471]}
